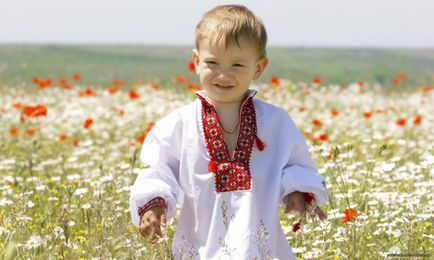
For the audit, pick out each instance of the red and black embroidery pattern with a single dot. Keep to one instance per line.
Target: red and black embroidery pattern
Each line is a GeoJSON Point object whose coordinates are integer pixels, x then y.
{"type": "Point", "coordinates": [155, 201]}
{"type": "Point", "coordinates": [230, 175]}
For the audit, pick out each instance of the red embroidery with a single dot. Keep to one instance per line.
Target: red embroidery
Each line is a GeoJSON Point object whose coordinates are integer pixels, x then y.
{"type": "Point", "coordinates": [308, 197]}
{"type": "Point", "coordinates": [155, 201]}
{"type": "Point", "coordinates": [230, 175]}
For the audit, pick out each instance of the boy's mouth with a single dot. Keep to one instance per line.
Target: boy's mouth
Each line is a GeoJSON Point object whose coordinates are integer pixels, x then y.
{"type": "Point", "coordinates": [223, 86]}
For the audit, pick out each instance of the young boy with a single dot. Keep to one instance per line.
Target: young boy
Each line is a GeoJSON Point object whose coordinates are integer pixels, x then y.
{"type": "Point", "coordinates": [231, 159]}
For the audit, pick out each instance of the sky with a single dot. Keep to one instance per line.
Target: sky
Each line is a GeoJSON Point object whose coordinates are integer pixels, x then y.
{"type": "Point", "coordinates": [290, 23]}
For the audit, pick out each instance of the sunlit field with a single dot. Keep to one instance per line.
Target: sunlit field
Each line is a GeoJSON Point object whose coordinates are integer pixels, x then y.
{"type": "Point", "coordinates": [69, 154]}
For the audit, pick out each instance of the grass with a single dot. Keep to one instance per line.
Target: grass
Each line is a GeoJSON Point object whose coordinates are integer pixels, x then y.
{"type": "Point", "coordinates": [100, 65]}
{"type": "Point", "coordinates": [67, 197]}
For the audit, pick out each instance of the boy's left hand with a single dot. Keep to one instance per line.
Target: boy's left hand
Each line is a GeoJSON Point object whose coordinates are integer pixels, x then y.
{"type": "Point", "coordinates": [295, 201]}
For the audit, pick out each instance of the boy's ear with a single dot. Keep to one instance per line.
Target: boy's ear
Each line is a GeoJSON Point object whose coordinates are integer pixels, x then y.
{"type": "Point", "coordinates": [195, 54]}
{"type": "Point", "coordinates": [260, 67]}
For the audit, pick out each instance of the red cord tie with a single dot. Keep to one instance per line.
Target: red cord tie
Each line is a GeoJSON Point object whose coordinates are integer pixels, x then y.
{"type": "Point", "coordinates": [259, 143]}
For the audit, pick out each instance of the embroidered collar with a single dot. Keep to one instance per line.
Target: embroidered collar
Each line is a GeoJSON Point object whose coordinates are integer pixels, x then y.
{"type": "Point", "coordinates": [230, 175]}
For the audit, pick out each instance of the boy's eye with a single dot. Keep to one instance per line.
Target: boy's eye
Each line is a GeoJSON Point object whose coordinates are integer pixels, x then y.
{"type": "Point", "coordinates": [238, 65]}
{"type": "Point", "coordinates": [211, 62]}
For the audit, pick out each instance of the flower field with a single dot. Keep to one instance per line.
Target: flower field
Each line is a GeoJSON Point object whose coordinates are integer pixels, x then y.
{"type": "Point", "coordinates": [69, 154]}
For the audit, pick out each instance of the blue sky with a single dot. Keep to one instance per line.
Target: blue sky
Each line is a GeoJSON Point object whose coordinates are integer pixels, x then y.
{"type": "Point", "coordinates": [309, 23]}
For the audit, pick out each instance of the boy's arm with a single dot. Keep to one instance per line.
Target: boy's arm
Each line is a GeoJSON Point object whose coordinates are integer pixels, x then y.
{"type": "Point", "coordinates": [160, 180]}
{"type": "Point", "coordinates": [300, 172]}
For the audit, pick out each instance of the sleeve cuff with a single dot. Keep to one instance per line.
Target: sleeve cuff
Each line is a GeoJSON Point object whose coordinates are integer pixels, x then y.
{"type": "Point", "coordinates": [140, 200]}
{"type": "Point", "coordinates": [296, 178]}
{"type": "Point", "coordinates": [158, 201]}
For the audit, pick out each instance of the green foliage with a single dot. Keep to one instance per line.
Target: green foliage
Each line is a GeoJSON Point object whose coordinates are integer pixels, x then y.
{"type": "Point", "coordinates": [100, 65]}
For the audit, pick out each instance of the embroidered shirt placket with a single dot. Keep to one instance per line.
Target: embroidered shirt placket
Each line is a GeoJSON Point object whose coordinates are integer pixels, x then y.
{"type": "Point", "coordinates": [230, 175]}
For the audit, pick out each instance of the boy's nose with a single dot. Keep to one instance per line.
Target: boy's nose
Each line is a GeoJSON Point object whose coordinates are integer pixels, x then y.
{"type": "Point", "coordinates": [223, 72]}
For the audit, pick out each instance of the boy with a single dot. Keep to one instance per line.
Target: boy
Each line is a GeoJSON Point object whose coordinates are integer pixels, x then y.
{"type": "Point", "coordinates": [229, 158]}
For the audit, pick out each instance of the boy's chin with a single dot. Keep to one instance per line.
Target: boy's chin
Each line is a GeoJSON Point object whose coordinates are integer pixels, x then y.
{"type": "Point", "coordinates": [226, 100]}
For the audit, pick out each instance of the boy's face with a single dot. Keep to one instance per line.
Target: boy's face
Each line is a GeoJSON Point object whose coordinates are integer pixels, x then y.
{"type": "Point", "coordinates": [226, 73]}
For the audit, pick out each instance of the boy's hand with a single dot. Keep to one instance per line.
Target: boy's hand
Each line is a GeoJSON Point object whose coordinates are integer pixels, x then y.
{"type": "Point", "coordinates": [295, 201]}
{"type": "Point", "coordinates": [151, 222]}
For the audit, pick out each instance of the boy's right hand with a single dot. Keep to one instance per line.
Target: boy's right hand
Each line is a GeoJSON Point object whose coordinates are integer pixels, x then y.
{"type": "Point", "coordinates": [151, 222]}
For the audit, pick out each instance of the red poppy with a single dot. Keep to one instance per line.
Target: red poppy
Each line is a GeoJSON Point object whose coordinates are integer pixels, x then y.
{"type": "Point", "coordinates": [367, 115]}
{"type": "Point", "coordinates": [87, 92]}
{"type": "Point", "coordinates": [141, 138]}
{"type": "Point", "coordinates": [400, 76]}
{"type": "Point", "coordinates": [67, 86]}
{"type": "Point", "coordinates": [118, 83]}
{"type": "Point", "coordinates": [323, 137]}
{"type": "Point", "coordinates": [10, 183]}
{"type": "Point", "coordinates": [41, 83]}
{"type": "Point", "coordinates": [75, 142]}
{"type": "Point", "coordinates": [401, 121]}
{"type": "Point", "coordinates": [361, 83]}
{"type": "Point", "coordinates": [35, 111]}
{"type": "Point", "coordinates": [17, 105]}
{"type": "Point", "coordinates": [190, 66]}
{"type": "Point", "coordinates": [14, 131]}
{"type": "Point", "coordinates": [181, 79]}
{"type": "Point", "coordinates": [316, 80]}
{"type": "Point", "coordinates": [30, 131]}
{"type": "Point", "coordinates": [330, 156]}
{"type": "Point", "coordinates": [63, 137]}
{"type": "Point", "coordinates": [308, 135]}
{"type": "Point", "coordinates": [193, 88]}
{"type": "Point", "coordinates": [296, 226]}
{"type": "Point", "coordinates": [417, 120]}
{"type": "Point", "coordinates": [120, 111]}
{"type": "Point", "coordinates": [76, 77]}
{"type": "Point", "coordinates": [88, 123]}
{"type": "Point", "coordinates": [350, 214]}
{"type": "Point", "coordinates": [112, 90]}
{"type": "Point", "coordinates": [155, 86]}
{"type": "Point", "coordinates": [426, 90]}
{"type": "Point", "coordinates": [133, 94]}
{"type": "Point", "coordinates": [36, 80]}
{"type": "Point", "coordinates": [61, 81]}
{"type": "Point", "coordinates": [45, 84]}
{"type": "Point", "coordinates": [317, 123]}
{"type": "Point", "coordinates": [149, 126]}
{"type": "Point", "coordinates": [335, 112]}
{"type": "Point", "coordinates": [275, 80]}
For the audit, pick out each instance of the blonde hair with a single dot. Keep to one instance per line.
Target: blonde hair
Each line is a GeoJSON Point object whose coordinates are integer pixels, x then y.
{"type": "Point", "coordinates": [229, 23]}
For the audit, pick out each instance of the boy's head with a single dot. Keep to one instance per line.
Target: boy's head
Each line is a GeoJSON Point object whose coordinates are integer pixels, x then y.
{"type": "Point", "coordinates": [231, 23]}
{"type": "Point", "coordinates": [230, 52]}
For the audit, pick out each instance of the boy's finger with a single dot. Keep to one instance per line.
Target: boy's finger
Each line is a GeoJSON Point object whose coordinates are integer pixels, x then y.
{"type": "Point", "coordinates": [320, 213]}
{"type": "Point", "coordinates": [300, 206]}
{"type": "Point", "coordinates": [144, 230]}
{"type": "Point", "coordinates": [158, 231]}
{"type": "Point", "coordinates": [163, 220]}
{"type": "Point", "coordinates": [147, 232]}
{"type": "Point", "coordinates": [288, 204]}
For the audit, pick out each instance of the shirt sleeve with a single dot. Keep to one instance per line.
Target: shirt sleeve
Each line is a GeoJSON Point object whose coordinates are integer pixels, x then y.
{"type": "Point", "coordinates": [300, 173]}
{"type": "Point", "coordinates": [161, 152]}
